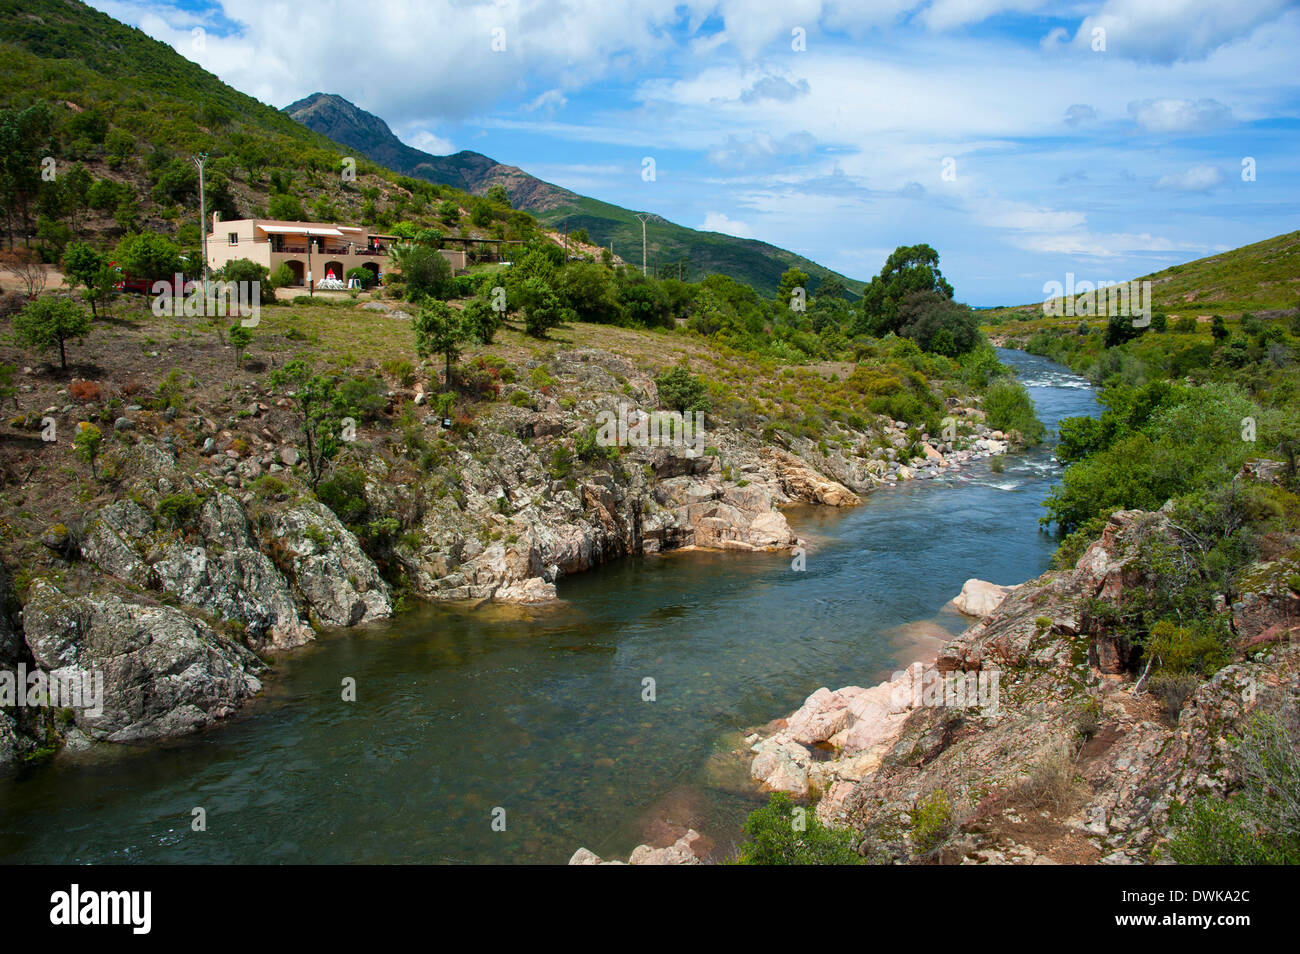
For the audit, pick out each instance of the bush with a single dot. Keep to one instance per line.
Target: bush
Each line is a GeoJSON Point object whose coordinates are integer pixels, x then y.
{"type": "Point", "coordinates": [932, 820]}
{"type": "Point", "coordinates": [681, 390]}
{"type": "Point", "coordinates": [178, 510]}
{"type": "Point", "coordinates": [1007, 407]}
{"type": "Point", "coordinates": [345, 493]}
{"type": "Point", "coordinates": [783, 834]}
{"type": "Point", "coordinates": [246, 270]}
{"type": "Point", "coordinates": [365, 276]}
{"type": "Point", "coordinates": [1261, 824]}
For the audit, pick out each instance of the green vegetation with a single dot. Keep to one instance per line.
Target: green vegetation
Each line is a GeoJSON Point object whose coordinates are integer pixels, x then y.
{"type": "Point", "coordinates": [50, 322]}
{"type": "Point", "coordinates": [782, 833]}
{"type": "Point", "coordinates": [1259, 824]}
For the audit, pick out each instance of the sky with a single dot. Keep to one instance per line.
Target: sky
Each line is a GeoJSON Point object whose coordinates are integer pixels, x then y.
{"type": "Point", "coordinates": [1024, 140]}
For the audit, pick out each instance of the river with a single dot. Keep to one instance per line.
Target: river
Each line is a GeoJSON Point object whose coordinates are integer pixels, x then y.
{"type": "Point", "coordinates": [537, 717]}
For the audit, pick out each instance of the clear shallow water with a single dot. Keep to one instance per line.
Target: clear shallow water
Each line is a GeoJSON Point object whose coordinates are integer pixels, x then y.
{"type": "Point", "coordinates": [539, 710]}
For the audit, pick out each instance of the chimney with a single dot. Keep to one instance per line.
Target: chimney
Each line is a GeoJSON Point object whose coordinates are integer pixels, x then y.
{"type": "Point", "coordinates": [216, 217]}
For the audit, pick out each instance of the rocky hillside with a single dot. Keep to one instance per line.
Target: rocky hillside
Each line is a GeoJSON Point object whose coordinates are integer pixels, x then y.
{"type": "Point", "coordinates": [198, 548]}
{"type": "Point", "coordinates": [1072, 757]}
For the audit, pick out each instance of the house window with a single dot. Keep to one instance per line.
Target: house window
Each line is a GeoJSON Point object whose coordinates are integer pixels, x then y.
{"type": "Point", "coordinates": [234, 238]}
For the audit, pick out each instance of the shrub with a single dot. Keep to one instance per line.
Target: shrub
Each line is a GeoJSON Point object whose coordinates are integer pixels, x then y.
{"type": "Point", "coordinates": [344, 492]}
{"type": "Point", "coordinates": [681, 390]}
{"type": "Point", "coordinates": [1173, 689]}
{"type": "Point", "coordinates": [1261, 824]}
{"type": "Point", "coordinates": [1007, 407]}
{"type": "Point", "coordinates": [784, 834]}
{"type": "Point", "coordinates": [178, 510]}
{"type": "Point", "coordinates": [50, 322]}
{"type": "Point", "coordinates": [365, 276]}
{"type": "Point", "coordinates": [932, 820]}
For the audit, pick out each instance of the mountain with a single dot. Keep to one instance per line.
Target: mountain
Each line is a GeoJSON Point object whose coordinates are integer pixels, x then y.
{"type": "Point", "coordinates": [748, 260]}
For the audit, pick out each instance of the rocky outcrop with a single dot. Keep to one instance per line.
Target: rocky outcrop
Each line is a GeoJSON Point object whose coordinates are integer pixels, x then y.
{"type": "Point", "coordinates": [162, 672]}
{"type": "Point", "coordinates": [686, 850]}
{"type": "Point", "coordinates": [1072, 763]}
{"type": "Point", "coordinates": [339, 583]}
{"type": "Point", "coordinates": [220, 570]}
{"type": "Point", "coordinates": [980, 598]}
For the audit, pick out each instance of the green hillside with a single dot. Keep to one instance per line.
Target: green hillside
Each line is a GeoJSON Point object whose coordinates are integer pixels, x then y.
{"type": "Point", "coordinates": [1261, 279]}
{"type": "Point", "coordinates": [669, 245]}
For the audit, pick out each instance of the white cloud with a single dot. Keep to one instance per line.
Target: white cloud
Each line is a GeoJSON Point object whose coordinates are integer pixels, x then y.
{"type": "Point", "coordinates": [1180, 115]}
{"type": "Point", "coordinates": [430, 143]}
{"type": "Point", "coordinates": [1201, 178]}
{"type": "Point", "coordinates": [1164, 31]}
{"type": "Point", "coordinates": [718, 222]}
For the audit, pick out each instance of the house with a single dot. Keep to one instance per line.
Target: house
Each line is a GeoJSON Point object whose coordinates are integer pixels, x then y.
{"type": "Point", "coordinates": [312, 250]}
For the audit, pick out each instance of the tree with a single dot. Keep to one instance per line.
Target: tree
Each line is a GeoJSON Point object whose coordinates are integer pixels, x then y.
{"type": "Point", "coordinates": [87, 443]}
{"type": "Point", "coordinates": [148, 255]}
{"type": "Point", "coordinates": [498, 195]}
{"type": "Point", "coordinates": [81, 268]}
{"type": "Point", "coordinates": [246, 270]}
{"type": "Point", "coordinates": [481, 320]}
{"type": "Point", "coordinates": [542, 308]}
{"type": "Point", "coordinates": [938, 324]}
{"type": "Point", "coordinates": [681, 390]}
{"type": "Point", "coordinates": [784, 834]}
{"type": "Point", "coordinates": [240, 339]}
{"type": "Point", "coordinates": [1119, 329]}
{"type": "Point", "coordinates": [590, 291]}
{"type": "Point", "coordinates": [793, 281]}
{"type": "Point", "coordinates": [1219, 329]}
{"type": "Point", "coordinates": [321, 410]}
{"type": "Point", "coordinates": [24, 142]}
{"type": "Point", "coordinates": [425, 270]}
{"type": "Point", "coordinates": [49, 321]}
{"type": "Point", "coordinates": [286, 207]}
{"type": "Point", "coordinates": [439, 329]}
{"type": "Point", "coordinates": [910, 268]}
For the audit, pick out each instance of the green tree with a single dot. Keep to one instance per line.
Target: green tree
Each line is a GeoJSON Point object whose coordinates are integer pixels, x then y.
{"type": "Point", "coordinates": [240, 339]}
{"type": "Point", "coordinates": [481, 320]}
{"type": "Point", "coordinates": [286, 207]}
{"type": "Point", "coordinates": [1219, 329]}
{"type": "Point", "coordinates": [87, 443]}
{"type": "Point", "coordinates": [591, 291]}
{"type": "Point", "coordinates": [909, 268]}
{"type": "Point", "coordinates": [320, 409]}
{"type": "Point", "coordinates": [425, 271]}
{"type": "Point", "coordinates": [24, 142]}
{"type": "Point", "coordinates": [498, 195]}
{"type": "Point", "coordinates": [782, 833]}
{"type": "Point", "coordinates": [81, 268]}
{"type": "Point", "coordinates": [793, 281]}
{"type": "Point", "coordinates": [148, 255]}
{"type": "Point", "coordinates": [249, 271]}
{"type": "Point", "coordinates": [938, 324]}
{"type": "Point", "coordinates": [50, 322]}
{"type": "Point", "coordinates": [439, 329]}
{"type": "Point", "coordinates": [681, 390]}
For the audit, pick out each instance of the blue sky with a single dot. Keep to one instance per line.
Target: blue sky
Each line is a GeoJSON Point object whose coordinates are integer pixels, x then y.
{"type": "Point", "coordinates": [1022, 139]}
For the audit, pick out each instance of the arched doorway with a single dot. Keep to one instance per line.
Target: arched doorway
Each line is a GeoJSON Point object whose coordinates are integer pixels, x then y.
{"type": "Point", "coordinates": [372, 268]}
{"type": "Point", "coordinates": [299, 272]}
{"type": "Point", "coordinates": [335, 267]}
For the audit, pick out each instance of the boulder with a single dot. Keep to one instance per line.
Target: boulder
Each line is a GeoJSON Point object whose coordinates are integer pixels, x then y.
{"type": "Point", "coordinates": [163, 672]}
{"type": "Point", "coordinates": [980, 598]}
{"type": "Point", "coordinates": [330, 570]}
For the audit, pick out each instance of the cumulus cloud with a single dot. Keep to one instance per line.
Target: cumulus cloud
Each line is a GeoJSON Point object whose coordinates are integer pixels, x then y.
{"type": "Point", "coordinates": [1201, 178]}
{"type": "Point", "coordinates": [719, 222]}
{"type": "Point", "coordinates": [1180, 115]}
{"type": "Point", "coordinates": [429, 142]}
{"type": "Point", "coordinates": [1164, 31]}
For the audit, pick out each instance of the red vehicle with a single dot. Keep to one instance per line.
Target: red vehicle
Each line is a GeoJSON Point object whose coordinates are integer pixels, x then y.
{"type": "Point", "coordinates": [145, 286]}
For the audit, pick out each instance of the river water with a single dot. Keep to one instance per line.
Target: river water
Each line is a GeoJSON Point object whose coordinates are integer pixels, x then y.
{"type": "Point", "coordinates": [538, 717]}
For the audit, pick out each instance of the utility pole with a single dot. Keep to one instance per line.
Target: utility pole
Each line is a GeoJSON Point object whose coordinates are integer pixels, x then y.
{"type": "Point", "coordinates": [199, 160]}
{"type": "Point", "coordinates": [644, 217]}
